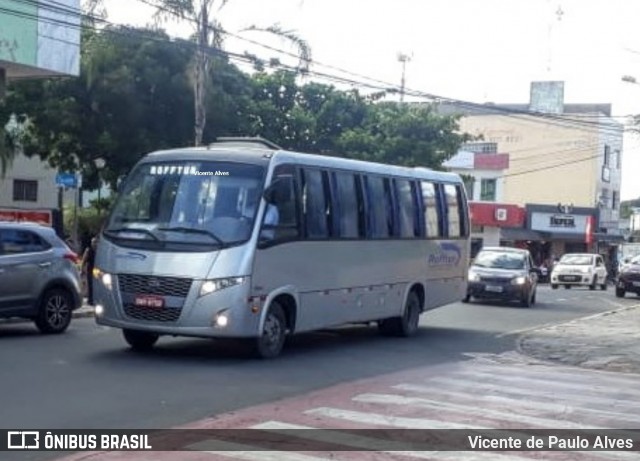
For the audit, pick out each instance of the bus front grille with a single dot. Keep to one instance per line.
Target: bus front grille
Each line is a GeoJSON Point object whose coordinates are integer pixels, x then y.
{"type": "Point", "coordinates": [152, 315]}
{"type": "Point", "coordinates": [152, 285]}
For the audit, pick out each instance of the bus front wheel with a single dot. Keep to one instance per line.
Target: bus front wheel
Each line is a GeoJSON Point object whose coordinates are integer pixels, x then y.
{"type": "Point", "coordinates": [140, 340]}
{"type": "Point", "coordinates": [404, 326]}
{"type": "Point", "coordinates": [271, 340]}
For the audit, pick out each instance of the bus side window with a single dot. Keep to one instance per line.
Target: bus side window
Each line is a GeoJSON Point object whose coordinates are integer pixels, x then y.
{"type": "Point", "coordinates": [463, 208]}
{"type": "Point", "coordinates": [454, 223]}
{"type": "Point", "coordinates": [347, 206]}
{"type": "Point", "coordinates": [378, 208]}
{"type": "Point", "coordinates": [406, 209]}
{"type": "Point", "coordinates": [315, 206]}
{"type": "Point", "coordinates": [280, 220]}
{"type": "Point", "coordinates": [432, 211]}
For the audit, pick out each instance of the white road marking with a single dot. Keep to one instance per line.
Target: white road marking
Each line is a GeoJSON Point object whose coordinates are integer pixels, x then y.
{"type": "Point", "coordinates": [470, 410]}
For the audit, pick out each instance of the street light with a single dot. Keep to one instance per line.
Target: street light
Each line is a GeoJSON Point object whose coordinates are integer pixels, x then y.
{"type": "Point", "coordinates": [403, 58]}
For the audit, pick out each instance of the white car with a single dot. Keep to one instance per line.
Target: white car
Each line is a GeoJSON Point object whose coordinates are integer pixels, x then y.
{"type": "Point", "coordinates": [580, 269]}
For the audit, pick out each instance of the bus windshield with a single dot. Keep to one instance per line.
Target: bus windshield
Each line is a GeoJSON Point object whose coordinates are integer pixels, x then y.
{"type": "Point", "coordinates": [187, 203]}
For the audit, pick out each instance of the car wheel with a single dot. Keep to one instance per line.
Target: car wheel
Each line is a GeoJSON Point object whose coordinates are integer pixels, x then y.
{"type": "Point", "coordinates": [404, 326]}
{"type": "Point", "coordinates": [466, 299]}
{"type": "Point", "coordinates": [533, 299]}
{"type": "Point", "coordinates": [140, 340]}
{"type": "Point", "coordinates": [594, 282]}
{"type": "Point", "coordinates": [554, 286]}
{"type": "Point", "coordinates": [55, 311]}
{"type": "Point", "coordinates": [603, 287]}
{"type": "Point", "coordinates": [274, 331]}
{"type": "Point", "coordinates": [620, 292]}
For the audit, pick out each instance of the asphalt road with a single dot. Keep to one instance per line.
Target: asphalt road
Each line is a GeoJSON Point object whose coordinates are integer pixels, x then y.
{"type": "Point", "coordinates": [88, 378]}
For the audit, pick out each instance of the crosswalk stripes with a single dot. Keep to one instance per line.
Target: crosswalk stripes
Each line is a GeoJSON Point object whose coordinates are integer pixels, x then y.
{"type": "Point", "coordinates": [486, 392]}
{"type": "Point", "coordinates": [482, 394]}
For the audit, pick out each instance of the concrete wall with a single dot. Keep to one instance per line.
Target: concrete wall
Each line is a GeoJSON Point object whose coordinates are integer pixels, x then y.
{"type": "Point", "coordinates": [549, 164]}
{"type": "Point", "coordinates": [35, 170]}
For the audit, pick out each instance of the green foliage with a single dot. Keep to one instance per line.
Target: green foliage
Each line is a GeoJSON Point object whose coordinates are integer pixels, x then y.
{"type": "Point", "coordinates": [90, 221]}
{"type": "Point", "coordinates": [404, 134]}
{"type": "Point", "coordinates": [134, 95]}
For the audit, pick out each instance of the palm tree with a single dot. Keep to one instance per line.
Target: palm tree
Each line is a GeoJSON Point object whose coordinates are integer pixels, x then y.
{"type": "Point", "coordinates": [209, 35]}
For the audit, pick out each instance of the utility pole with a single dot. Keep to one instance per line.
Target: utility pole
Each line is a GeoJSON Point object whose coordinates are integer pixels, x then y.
{"type": "Point", "coordinates": [403, 58]}
{"type": "Point", "coordinates": [3, 83]}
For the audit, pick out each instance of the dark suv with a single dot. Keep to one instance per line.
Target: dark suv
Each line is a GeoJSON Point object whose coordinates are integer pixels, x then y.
{"type": "Point", "coordinates": [503, 273]}
{"type": "Point", "coordinates": [39, 278]}
{"type": "Point", "coordinates": [629, 278]}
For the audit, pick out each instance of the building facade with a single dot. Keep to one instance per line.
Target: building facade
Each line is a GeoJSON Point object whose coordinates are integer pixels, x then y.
{"type": "Point", "coordinates": [564, 168]}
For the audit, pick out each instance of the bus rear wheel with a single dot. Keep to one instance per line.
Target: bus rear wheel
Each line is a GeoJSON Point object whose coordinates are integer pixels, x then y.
{"type": "Point", "coordinates": [271, 340]}
{"type": "Point", "coordinates": [407, 324]}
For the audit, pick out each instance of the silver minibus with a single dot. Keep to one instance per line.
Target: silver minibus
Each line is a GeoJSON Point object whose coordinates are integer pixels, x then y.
{"type": "Point", "coordinates": [241, 239]}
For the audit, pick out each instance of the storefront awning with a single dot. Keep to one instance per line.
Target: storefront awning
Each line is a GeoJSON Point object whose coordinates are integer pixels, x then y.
{"type": "Point", "coordinates": [612, 238]}
{"type": "Point", "coordinates": [516, 234]}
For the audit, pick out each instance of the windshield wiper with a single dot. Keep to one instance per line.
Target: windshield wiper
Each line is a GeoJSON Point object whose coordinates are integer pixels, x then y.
{"type": "Point", "coordinates": [193, 230]}
{"type": "Point", "coordinates": [134, 230]}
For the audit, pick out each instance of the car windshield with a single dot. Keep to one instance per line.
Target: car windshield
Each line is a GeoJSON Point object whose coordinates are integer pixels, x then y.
{"type": "Point", "coordinates": [187, 203]}
{"type": "Point", "coordinates": [500, 260]}
{"type": "Point", "coordinates": [577, 260]}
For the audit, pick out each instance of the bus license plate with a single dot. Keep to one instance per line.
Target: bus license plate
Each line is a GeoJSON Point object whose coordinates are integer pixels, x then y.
{"type": "Point", "coordinates": [149, 301]}
{"type": "Point", "coordinates": [493, 288]}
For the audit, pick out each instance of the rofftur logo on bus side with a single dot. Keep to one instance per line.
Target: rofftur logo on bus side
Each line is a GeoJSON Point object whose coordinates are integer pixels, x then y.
{"type": "Point", "coordinates": [449, 254]}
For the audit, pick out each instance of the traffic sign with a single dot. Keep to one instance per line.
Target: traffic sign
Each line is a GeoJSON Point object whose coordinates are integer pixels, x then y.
{"type": "Point", "coordinates": [67, 180]}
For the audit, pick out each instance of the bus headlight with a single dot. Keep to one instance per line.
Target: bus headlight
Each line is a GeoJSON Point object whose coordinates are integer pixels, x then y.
{"type": "Point", "coordinates": [209, 286]}
{"type": "Point", "coordinates": [104, 277]}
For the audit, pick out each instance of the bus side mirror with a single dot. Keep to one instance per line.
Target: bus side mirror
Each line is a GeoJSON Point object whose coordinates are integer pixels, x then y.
{"type": "Point", "coordinates": [279, 191]}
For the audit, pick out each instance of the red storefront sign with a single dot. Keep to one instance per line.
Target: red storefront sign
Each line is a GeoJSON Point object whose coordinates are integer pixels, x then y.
{"type": "Point", "coordinates": [35, 216]}
{"type": "Point", "coordinates": [496, 214]}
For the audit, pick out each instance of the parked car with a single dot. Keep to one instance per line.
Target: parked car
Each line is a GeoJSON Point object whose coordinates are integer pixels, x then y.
{"type": "Point", "coordinates": [503, 273]}
{"type": "Point", "coordinates": [628, 279]}
{"type": "Point", "coordinates": [580, 269]}
{"type": "Point", "coordinates": [39, 277]}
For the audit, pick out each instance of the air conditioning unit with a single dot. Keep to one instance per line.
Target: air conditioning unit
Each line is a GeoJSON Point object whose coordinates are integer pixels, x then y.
{"type": "Point", "coordinates": [501, 214]}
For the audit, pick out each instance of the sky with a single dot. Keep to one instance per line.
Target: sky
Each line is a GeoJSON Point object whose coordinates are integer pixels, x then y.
{"type": "Point", "coordinates": [474, 50]}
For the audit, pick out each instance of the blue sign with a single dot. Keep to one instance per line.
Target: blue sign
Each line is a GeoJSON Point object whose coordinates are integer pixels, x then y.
{"type": "Point", "coordinates": [66, 180]}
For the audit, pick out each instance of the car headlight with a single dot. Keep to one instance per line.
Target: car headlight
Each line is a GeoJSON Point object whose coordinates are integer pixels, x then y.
{"type": "Point", "coordinates": [210, 286]}
{"type": "Point", "coordinates": [521, 280]}
{"type": "Point", "coordinates": [585, 270]}
{"type": "Point", "coordinates": [104, 277]}
{"type": "Point", "coordinates": [474, 277]}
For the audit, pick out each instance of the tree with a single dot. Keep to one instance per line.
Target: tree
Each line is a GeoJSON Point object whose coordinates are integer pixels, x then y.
{"type": "Point", "coordinates": [403, 134]}
{"type": "Point", "coordinates": [132, 96]}
{"type": "Point", "coordinates": [209, 37]}
{"type": "Point", "coordinates": [307, 118]}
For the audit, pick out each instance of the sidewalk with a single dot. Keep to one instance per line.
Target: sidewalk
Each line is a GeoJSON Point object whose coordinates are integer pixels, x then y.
{"type": "Point", "coordinates": [609, 341]}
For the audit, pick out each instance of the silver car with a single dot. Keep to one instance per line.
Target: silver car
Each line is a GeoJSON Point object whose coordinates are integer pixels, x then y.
{"type": "Point", "coordinates": [39, 277]}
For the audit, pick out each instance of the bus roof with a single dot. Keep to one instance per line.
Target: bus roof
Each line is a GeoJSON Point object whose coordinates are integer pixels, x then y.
{"type": "Point", "coordinates": [256, 154]}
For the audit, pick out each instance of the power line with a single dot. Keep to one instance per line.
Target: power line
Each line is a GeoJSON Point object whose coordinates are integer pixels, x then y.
{"type": "Point", "coordinates": [249, 60]}
{"type": "Point", "coordinates": [382, 85]}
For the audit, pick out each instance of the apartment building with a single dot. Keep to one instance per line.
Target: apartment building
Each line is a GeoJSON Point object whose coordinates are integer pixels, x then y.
{"type": "Point", "coordinates": [564, 168]}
